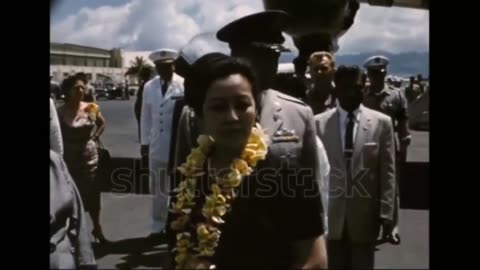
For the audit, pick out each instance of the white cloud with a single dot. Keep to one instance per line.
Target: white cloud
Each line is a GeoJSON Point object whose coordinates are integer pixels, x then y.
{"type": "Point", "coordinates": [92, 27]}
{"type": "Point", "coordinates": [389, 29]}
{"type": "Point", "coordinates": [151, 24]}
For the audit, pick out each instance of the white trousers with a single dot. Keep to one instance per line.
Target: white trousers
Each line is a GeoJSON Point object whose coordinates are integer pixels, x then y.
{"type": "Point", "coordinates": [159, 188]}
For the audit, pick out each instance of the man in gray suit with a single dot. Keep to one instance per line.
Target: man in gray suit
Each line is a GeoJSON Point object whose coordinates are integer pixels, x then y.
{"type": "Point", "coordinates": [289, 122]}
{"type": "Point", "coordinates": [360, 147]}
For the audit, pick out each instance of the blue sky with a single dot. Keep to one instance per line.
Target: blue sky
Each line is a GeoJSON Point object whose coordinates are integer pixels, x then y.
{"type": "Point", "coordinates": [63, 8]}
{"type": "Point", "coordinates": [151, 24]}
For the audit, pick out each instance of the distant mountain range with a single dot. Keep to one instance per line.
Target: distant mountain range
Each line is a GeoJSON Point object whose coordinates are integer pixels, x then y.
{"type": "Point", "coordinates": [401, 64]}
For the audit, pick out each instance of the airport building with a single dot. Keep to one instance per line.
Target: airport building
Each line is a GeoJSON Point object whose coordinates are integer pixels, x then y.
{"type": "Point", "coordinates": [99, 64]}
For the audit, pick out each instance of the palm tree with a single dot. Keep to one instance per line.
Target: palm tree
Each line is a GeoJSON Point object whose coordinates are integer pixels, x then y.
{"type": "Point", "coordinates": [136, 65]}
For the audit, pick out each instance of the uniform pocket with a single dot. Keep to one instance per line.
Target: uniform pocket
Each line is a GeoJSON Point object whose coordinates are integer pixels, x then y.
{"type": "Point", "coordinates": [370, 154]}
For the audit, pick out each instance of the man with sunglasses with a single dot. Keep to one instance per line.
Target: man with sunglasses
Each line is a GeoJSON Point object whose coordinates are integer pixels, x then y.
{"type": "Point", "coordinates": [389, 100]}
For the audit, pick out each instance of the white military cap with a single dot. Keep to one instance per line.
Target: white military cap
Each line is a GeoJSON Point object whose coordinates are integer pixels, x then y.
{"type": "Point", "coordinates": [376, 62]}
{"type": "Point", "coordinates": [163, 56]}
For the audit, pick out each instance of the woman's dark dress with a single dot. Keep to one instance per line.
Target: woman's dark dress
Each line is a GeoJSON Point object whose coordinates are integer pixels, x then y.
{"type": "Point", "coordinates": [81, 157]}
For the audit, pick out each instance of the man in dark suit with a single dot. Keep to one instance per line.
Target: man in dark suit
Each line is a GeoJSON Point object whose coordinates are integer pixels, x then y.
{"type": "Point", "coordinates": [360, 148]}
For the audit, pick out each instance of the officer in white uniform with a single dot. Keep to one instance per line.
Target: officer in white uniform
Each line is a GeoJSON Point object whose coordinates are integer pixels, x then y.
{"type": "Point", "coordinates": [159, 96]}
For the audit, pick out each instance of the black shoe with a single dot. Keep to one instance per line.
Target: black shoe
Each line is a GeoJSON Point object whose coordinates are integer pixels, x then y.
{"type": "Point", "coordinates": [156, 237]}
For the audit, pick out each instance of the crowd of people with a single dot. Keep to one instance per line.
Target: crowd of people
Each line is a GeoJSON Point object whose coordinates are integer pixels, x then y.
{"type": "Point", "coordinates": [415, 88]}
{"type": "Point", "coordinates": [242, 175]}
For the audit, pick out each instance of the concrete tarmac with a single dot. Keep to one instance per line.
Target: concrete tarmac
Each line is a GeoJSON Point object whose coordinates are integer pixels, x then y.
{"type": "Point", "coordinates": [126, 216]}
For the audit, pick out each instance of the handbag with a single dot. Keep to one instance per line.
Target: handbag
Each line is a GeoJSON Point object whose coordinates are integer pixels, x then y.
{"type": "Point", "coordinates": [104, 167]}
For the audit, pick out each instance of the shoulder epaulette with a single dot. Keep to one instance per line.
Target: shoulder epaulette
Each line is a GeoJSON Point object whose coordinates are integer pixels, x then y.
{"type": "Point", "coordinates": [290, 98]}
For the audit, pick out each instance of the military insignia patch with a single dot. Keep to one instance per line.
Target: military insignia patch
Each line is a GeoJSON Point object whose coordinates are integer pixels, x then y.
{"type": "Point", "coordinates": [285, 135]}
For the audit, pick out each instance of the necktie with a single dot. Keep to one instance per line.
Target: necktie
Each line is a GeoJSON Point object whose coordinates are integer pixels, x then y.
{"type": "Point", "coordinates": [349, 136]}
{"type": "Point", "coordinates": [164, 88]}
{"type": "Point", "coordinates": [349, 154]}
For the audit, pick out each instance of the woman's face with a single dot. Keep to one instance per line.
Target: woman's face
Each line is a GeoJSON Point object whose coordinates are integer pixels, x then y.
{"type": "Point", "coordinates": [229, 112]}
{"type": "Point", "coordinates": [77, 91]}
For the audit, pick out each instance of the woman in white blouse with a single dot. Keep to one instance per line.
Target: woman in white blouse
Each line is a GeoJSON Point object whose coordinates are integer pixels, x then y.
{"type": "Point", "coordinates": [56, 143]}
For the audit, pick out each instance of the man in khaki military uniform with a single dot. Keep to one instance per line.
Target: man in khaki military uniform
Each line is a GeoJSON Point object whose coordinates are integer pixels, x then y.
{"type": "Point", "coordinates": [390, 101]}
{"type": "Point", "coordinates": [413, 90]}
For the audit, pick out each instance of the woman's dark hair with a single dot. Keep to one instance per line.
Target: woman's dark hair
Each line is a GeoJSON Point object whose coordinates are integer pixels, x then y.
{"type": "Point", "coordinates": [70, 81]}
{"type": "Point", "coordinates": [206, 70]}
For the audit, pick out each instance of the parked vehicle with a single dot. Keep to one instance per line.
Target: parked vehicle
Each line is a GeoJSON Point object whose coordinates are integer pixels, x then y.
{"type": "Point", "coordinates": [111, 90]}
{"type": "Point", "coordinates": [117, 91]}
{"type": "Point", "coordinates": [132, 89]}
{"type": "Point", "coordinates": [101, 91]}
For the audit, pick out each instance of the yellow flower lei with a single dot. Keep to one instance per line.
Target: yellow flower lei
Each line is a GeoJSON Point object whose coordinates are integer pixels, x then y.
{"type": "Point", "coordinates": [92, 110]}
{"type": "Point", "coordinates": [216, 204]}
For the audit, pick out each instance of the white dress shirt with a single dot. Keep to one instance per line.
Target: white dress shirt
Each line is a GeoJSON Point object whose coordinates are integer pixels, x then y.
{"type": "Point", "coordinates": [343, 118]}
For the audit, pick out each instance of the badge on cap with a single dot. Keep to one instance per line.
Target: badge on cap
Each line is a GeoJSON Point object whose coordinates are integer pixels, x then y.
{"type": "Point", "coordinates": [164, 56]}
{"type": "Point", "coordinates": [376, 62]}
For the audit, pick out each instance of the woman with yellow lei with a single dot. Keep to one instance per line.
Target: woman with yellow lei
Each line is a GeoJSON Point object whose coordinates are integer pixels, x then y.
{"type": "Point", "coordinates": [231, 210]}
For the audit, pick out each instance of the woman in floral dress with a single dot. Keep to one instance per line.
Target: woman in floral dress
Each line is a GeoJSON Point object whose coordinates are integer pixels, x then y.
{"type": "Point", "coordinates": [82, 124]}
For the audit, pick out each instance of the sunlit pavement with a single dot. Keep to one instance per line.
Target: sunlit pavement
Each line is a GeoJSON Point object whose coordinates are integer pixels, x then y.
{"type": "Point", "coordinates": [126, 217]}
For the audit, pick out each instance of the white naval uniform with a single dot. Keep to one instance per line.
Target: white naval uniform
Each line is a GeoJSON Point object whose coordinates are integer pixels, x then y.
{"type": "Point", "coordinates": [156, 130]}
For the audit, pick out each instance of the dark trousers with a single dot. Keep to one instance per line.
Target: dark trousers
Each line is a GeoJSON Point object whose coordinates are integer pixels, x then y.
{"type": "Point", "coordinates": [344, 254]}
{"type": "Point", "coordinates": [138, 117]}
{"type": "Point", "coordinates": [399, 165]}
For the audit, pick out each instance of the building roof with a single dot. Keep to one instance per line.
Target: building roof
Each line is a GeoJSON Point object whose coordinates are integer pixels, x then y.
{"type": "Point", "coordinates": [76, 48]}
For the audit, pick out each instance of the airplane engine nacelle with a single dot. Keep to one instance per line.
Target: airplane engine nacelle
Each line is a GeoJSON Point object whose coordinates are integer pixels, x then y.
{"type": "Point", "coordinates": [316, 24]}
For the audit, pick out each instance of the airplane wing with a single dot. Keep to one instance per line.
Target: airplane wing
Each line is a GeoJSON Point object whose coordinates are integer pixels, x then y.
{"type": "Point", "coordinates": [420, 4]}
